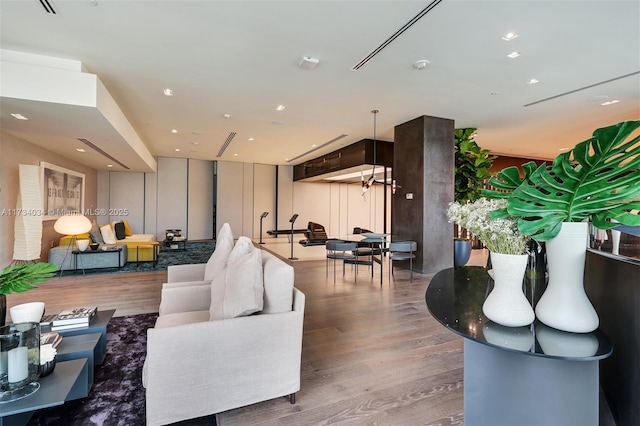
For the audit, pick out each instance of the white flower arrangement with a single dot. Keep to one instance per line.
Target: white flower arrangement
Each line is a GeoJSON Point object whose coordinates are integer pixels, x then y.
{"type": "Point", "coordinates": [499, 235]}
{"type": "Point", "coordinates": [47, 353]}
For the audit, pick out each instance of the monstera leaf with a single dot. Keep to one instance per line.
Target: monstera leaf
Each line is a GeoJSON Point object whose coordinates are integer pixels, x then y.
{"type": "Point", "coordinates": [598, 179]}
{"type": "Point", "coordinates": [21, 276]}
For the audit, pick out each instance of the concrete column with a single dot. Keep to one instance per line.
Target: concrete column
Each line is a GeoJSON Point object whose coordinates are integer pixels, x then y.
{"type": "Point", "coordinates": [423, 168]}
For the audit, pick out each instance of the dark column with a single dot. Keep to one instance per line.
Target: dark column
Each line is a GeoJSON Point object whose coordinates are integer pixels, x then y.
{"type": "Point", "coordinates": [423, 168]}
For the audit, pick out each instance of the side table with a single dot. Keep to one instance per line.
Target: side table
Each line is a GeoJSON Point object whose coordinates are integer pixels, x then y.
{"type": "Point", "coordinates": [533, 375]}
{"type": "Point", "coordinates": [166, 244]}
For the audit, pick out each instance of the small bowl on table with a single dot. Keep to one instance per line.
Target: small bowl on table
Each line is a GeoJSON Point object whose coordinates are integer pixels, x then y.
{"type": "Point", "coordinates": [94, 246]}
{"type": "Point", "coordinates": [27, 312]}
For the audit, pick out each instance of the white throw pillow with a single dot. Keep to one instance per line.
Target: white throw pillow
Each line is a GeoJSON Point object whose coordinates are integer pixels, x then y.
{"type": "Point", "coordinates": [243, 283]}
{"type": "Point", "coordinates": [218, 260]}
{"type": "Point", "coordinates": [278, 285]}
{"type": "Point", "coordinates": [108, 235]}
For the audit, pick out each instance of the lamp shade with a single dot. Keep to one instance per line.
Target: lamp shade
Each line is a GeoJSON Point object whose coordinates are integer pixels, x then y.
{"type": "Point", "coordinates": [72, 225]}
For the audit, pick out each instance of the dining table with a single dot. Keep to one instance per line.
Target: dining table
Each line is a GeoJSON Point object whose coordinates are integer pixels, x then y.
{"type": "Point", "coordinates": [376, 245]}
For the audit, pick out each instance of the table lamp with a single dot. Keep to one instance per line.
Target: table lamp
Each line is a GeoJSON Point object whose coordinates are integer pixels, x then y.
{"type": "Point", "coordinates": [74, 225]}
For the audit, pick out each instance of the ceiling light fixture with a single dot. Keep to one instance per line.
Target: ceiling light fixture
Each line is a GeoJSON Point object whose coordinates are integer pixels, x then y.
{"type": "Point", "coordinates": [168, 92]}
{"type": "Point", "coordinates": [280, 108]}
{"type": "Point", "coordinates": [80, 150]}
{"type": "Point", "coordinates": [308, 63]}
{"type": "Point", "coordinates": [109, 165]}
{"type": "Point", "coordinates": [611, 102]}
{"type": "Point", "coordinates": [19, 116]}
{"type": "Point", "coordinates": [174, 131]}
{"type": "Point", "coordinates": [509, 36]}
{"type": "Point", "coordinates": [251, 139]}
{"type": "Point", "coordinates": [177, 149]}
{"type": "Point", "coordinates": [226, 115]}
{"type": "Point", "coordinates": [421, 64]}
{"type": "Point", "coordinates": [513, 54]}
{"type": "Point", "coordinates": [533, 81]}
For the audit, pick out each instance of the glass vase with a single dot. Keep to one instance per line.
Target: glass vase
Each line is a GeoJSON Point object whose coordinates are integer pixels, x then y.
{"type": "Point", "coordinates": [19, 360]}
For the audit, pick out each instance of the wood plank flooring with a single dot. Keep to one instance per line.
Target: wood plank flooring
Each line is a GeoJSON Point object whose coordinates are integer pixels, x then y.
{"type": "Point", "coordinates": [372, 354]}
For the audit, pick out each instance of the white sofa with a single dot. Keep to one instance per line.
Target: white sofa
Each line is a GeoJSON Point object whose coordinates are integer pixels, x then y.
{"type": "Point", "coordinates": [198, 367]}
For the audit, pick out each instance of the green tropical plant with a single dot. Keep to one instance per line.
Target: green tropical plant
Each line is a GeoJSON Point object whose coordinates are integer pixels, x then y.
{"type": "Point", "coordinates": [599, 179]}
{"type": "Point", "coordinates": [20, 277]}
{"type": "Point", "coordinates": [471, 167]}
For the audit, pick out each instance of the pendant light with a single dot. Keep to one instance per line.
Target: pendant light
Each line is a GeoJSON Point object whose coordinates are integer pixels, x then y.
{"type": "Point", "coordinates": [366, 185]}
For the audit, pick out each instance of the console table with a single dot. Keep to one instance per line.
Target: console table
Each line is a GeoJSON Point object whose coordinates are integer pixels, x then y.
{"type": "Point", "coordinates": [529, 375]}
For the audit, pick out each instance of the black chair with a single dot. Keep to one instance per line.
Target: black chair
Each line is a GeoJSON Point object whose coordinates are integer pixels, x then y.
{"type": "Point", "coordinates": [402, 250]}
{"type": "Point", "coordinates": [340, 250]}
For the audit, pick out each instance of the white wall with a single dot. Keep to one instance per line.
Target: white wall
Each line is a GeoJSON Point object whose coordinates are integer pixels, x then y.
{"type": "Point", "coordinates": [172, 195]}
{"type": "Point", "coordinates": [200, 204]}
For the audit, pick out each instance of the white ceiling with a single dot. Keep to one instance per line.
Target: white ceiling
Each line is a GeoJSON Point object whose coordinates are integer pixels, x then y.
{"type": "Point", "coordinates": [240, 58]}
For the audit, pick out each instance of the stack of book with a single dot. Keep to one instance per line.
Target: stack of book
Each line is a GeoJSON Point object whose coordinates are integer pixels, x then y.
{"type": "Point", "coordinates": [51, 338]}
{"type": "Point", "coordinates": [73, 318]}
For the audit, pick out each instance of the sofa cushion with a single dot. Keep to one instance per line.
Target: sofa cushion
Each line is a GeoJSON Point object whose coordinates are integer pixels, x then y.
{"type": "Point", "coordinates": [118, 228]}
{"type": "Point", "coordinates": [107, 234]}
{"type": "Point", "coordinates": [278, 284]}
{"type": "Point", "coordinates": [181, 318]}
{"type": "Point", "coordinates": [127, 228]}
{"type": "Point", "coordinates": [218, 260]}
{"type": "Point", "coordinates": [241, 285]}
{"type": "Point", "coordinates": [95, 234]}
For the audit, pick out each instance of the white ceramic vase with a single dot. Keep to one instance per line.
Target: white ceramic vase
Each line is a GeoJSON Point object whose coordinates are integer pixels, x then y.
{"type": "Point", "coordinates": [506, 304]}
{"type": "Point", "coordinates": [564, 304]}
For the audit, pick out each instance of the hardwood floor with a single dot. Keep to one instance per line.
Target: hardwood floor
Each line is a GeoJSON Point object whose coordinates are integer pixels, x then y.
{"type": "Point", "coordinates": [372, 354]}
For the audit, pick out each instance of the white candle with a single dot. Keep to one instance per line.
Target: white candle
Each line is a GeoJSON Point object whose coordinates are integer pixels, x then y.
{"type": "Point", "coordinates": [18, 364]}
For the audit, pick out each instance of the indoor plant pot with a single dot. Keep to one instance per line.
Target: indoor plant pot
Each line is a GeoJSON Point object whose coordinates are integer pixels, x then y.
{"type": "Point", "coordinates": [597, 180]}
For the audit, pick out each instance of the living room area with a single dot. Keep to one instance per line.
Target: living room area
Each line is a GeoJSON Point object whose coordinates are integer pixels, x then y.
{"type": "Point", "coordinates": [225, 185]}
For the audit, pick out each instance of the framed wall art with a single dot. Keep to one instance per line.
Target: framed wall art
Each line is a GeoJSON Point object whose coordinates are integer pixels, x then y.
{"type": "Point", "coordinates": [63, 191]}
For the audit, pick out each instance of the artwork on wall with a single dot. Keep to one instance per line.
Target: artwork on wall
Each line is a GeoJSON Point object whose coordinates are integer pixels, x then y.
{"type": "Point", "coordinates": [63, 191]}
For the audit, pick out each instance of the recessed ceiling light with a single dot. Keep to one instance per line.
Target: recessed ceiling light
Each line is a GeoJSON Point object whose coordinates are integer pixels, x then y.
{"type": "Point", "coordinates": [611, 102]}
{"type": "Point", "coordinates": [177, 149]}
{"type": "Point", "coordinates": [251, 139]}
{"type": "Point", "coordinates": [532, 81]}
{"type": "Point", "coordinates": [513, 55]}
{"type": "Point", "coordinates": [174, 131]}
{"type": "Point", "coordinates": [168, 92]}
{"type": "Point", "coordinates": [280, 108]}
{"type": "Point", "coordinates": [421, 64]}
{"type": "Point", "coordinates": [19, 116]}
{"type": "Point", "coordinates": [226, 115]}
{"type": "Point", "coordinates": [109, 165]}
{"type": "Point", "coordinates": [286, 159]}
{"type": "Point", "coordinates": [235, 155]}
{"type": "Point", "coordinates": [314, 145]}
{"type": "Point", "coordinates": [80, 150]}
{"type": "Point", "coordinates": [509, 36]}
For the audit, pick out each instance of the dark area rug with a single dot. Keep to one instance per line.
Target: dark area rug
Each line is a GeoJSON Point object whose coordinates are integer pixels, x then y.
{"type": "Point", "coordinates": [117, 397]}
{"type": "Point", "coordinates": [196, 252]}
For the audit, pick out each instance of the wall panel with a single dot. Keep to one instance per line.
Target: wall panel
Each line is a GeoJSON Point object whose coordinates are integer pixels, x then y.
{"type": "Point", "coordinates": [200, 206]}
{"type": "Point", "coordinates": [264, 199]}
{"type": "Point", "coordinates": [229, 203]}
{"type": "Point", "coordinates": [172, 195]}
{"type": "Point", "coordinates": [126, 199]}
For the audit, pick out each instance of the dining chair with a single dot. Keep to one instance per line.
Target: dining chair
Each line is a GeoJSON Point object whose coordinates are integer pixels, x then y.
{"type": "Point", "coordinates": [402, 250]}
{"type": "Point", "coordinates": [341, 250]}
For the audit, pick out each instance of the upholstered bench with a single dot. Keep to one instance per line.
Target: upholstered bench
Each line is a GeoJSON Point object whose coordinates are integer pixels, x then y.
{"type": "Point", "coordinates": [64, 258]}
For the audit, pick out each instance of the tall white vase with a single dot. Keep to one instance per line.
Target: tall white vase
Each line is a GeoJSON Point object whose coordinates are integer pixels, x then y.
{"type": "Point", "coordinates": [506, 304]}
{"type": "Point", "coordinates": [564, 304]}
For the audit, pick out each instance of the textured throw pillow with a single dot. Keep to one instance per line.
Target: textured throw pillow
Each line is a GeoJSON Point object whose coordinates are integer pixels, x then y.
{"type": "Point", "coordinates": [118, 227]}
{"type": "Point", "coordinates": [243, 283]}
{"type": "Point", "coordinates": [218, 260]}
{"type": "Point", "coordinates": [278, 285]}
{"type": "Point", "coordinates": [127, 228]}
{"type": "Point", "coordinates": [95, 234]}
{"type": "Point", "coordinates": [107, 234]}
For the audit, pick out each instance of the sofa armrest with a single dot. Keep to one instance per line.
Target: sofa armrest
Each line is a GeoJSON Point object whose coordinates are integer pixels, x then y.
{"type": "Point", "coordinates": [187, 298]}
{"type": "Point", "coordinates": [178, 273]}
{"type": "Point", "coordinates": [222, 364]}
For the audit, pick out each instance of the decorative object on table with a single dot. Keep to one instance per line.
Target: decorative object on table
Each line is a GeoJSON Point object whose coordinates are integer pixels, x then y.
{"type": "Point", "coordinates": [506, 303]}
{"type": "Point", "coordinates": [47, 359]}
{"type": "Point", "coordinates": [599, 179]}
{"type": "Point", "coordinates": [27, 312]}
{"type": "Point", "coordinates": [74, 317]}
{"type": "Point", "coordinates": [94, 246]}
{"type": "Point", "coordinates": [20, 277]}
{"type": "Point", "coordinates": [19, 360]}
{"type": "Point", "coordinates": [471, 169]}
{"type": "Point", "coordinates": [83, 245]}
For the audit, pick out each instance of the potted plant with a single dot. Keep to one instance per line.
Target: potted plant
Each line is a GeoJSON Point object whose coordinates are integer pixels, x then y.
{"type": "Point", "coordinates": [597, 180]}
{"type": "Point", "coordinates": [471, 169]}
{"type": "Point", "coordinates": [20, 277]}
